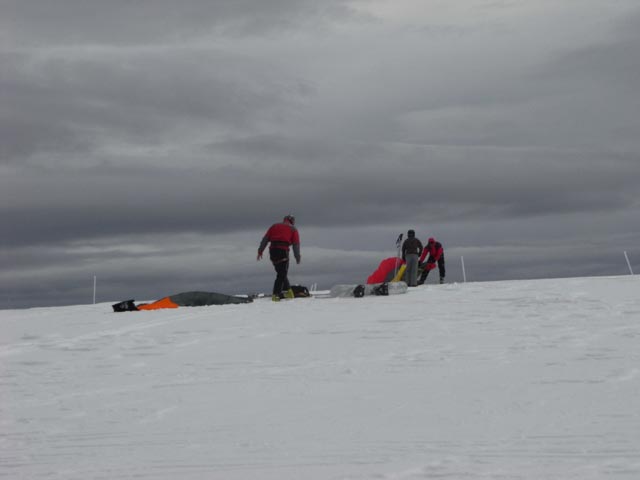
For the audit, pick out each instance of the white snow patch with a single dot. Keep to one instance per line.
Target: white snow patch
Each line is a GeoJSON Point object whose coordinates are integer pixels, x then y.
{"type": "Point", "coordinates": [503, 380]}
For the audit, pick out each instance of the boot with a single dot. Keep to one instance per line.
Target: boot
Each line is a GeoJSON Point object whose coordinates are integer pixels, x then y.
{"type": "Point", "coordinates": [275, 298]}
{"type": "Point", "coordinates": [289, 294]}
{"type": "Point", "coordinates": [441, 280]}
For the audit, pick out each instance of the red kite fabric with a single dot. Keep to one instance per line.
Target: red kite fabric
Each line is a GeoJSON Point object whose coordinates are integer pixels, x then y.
{"type": "Point", "coordinates": [386, 270]}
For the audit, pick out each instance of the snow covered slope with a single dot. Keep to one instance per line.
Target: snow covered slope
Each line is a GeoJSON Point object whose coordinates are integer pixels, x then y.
{"type": "Point", "coordinates": [526, 379]}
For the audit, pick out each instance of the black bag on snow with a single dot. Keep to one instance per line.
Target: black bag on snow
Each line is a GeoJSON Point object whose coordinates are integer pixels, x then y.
{"type": "Point", "coordinates": [358, 292]}
{"type": "Point", "coordinates": [300, 292]}
{"type": "Point", "coordinates": [125, 306]}
{"type": "Point", "coordinates": [382, 289]}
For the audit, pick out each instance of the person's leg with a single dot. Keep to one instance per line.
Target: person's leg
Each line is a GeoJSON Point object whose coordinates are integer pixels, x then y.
{"type": "Point", "coordinates": [285, 281]}
{"type": "Point", "coordinates": [277, 283]}
{"type": "Point", "coordinates": [441, 268]}
{"type": "Point", "coordinates": [280, 260]}
{"type": "Point", "coordinates": [407, 270]}
{"type": "Point", "coordinates": [412, 270]}
{"type": "Point", "coordinates": [281, 283]}
{"type": "Point", "coordinates": [423, 277]}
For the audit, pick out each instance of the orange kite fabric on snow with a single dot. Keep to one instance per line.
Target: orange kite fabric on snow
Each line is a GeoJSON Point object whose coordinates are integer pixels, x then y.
{"type": "Point", "coordinates": [185, 299]}
{"type": "Point", "coordinates": [165, 302]}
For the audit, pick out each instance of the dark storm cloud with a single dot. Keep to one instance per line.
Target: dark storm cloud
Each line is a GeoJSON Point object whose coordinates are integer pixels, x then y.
{"type": "Point", "coordinates": [22, 138]}
{"type": "Point", "coordinates": [616, 61]}
{"type": "Point", "coordinates": [143, 21]}
{"type": "Point", "coordinates": [593, 93]}
{"type": "Point", "coordinates": [84, 203]}
{"type": "Point", "coordinates": [76, 105]}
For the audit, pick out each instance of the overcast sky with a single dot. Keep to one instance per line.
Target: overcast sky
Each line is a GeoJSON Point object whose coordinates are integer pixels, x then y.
{"type": "Point", "coordinates": [152, 143]}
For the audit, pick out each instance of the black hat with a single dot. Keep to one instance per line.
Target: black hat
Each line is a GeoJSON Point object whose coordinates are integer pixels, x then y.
{"type": "Point", "coordinates": [411, 233]}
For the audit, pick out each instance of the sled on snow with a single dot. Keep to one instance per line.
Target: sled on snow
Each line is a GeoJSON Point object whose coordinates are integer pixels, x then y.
{"type": "Point", "coordinates": [373, 289]}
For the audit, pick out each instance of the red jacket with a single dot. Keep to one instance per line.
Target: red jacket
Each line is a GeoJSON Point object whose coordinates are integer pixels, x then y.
{"type": "Point", "coordinates": [434, 250]}
{"type": "Point", "coordinates": [282, 236]}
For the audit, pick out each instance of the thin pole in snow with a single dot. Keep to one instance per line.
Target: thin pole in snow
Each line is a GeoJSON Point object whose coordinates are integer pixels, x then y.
{"type": "Point", "coordinates": [398, 254]}
{"type": "Point", "coordinates": [94, 289]}
{"type": "Point", "coordinates": [628, 263]}
{"type": "Point", "coordinates": [464, 274]}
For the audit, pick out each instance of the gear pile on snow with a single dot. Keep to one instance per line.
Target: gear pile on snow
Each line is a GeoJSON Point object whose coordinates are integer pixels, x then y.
{"type": "Point", "coordinates": [385, 280]}
{"type": "Point", "coordinates": [393, 288]}
{"type": "Point", "coordinates": [185, 299]}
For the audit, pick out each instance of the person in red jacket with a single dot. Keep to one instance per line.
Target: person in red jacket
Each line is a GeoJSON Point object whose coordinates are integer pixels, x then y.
{"type": "Point", "coordinates": [436, 256]}
{"type": "Point", "coordinates": [281, 237]}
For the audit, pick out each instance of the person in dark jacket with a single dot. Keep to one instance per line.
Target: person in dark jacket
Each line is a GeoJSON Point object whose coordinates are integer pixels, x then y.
{"type": "Point", "coordinates": [281, 236]}
{"type": "Point", "coordinates": [411, 250]}
{"type": "Point", "coordinates": [436, 257]}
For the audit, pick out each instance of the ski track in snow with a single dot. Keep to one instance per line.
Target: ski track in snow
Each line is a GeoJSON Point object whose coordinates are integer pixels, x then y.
{"type": "Point", "coordinates": [498, 380]}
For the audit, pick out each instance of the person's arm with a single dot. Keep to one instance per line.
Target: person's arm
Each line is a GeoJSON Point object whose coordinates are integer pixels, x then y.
{"type": "Point", "coordinates": [425, 251]}
{"type": "Point", "coordinates": [295, 243]}
{"type": "Point", "coordinates": [263, 244]}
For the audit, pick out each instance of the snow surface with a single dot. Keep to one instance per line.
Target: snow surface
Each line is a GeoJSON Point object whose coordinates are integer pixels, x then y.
{"type": "Point", "coordinates": [501, 380]}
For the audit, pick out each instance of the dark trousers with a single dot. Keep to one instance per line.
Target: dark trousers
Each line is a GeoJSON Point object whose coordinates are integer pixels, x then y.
{"type": "Point", "coordinates": [441, 270]}
{"type": "Point", "coordinates": [280, 260]}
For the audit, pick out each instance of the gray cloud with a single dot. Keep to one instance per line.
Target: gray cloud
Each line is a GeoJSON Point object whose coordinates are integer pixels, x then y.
{"type": "Point", "coordinates": [79, 106]}
{"type": "Point", "coordinates": [147, 21]}
{"type": "Point", "coordinates": [66, 203]}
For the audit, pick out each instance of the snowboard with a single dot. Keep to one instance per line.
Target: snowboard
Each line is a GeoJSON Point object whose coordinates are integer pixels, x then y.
{"type": "Point", "coordinates": [393, 288]}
